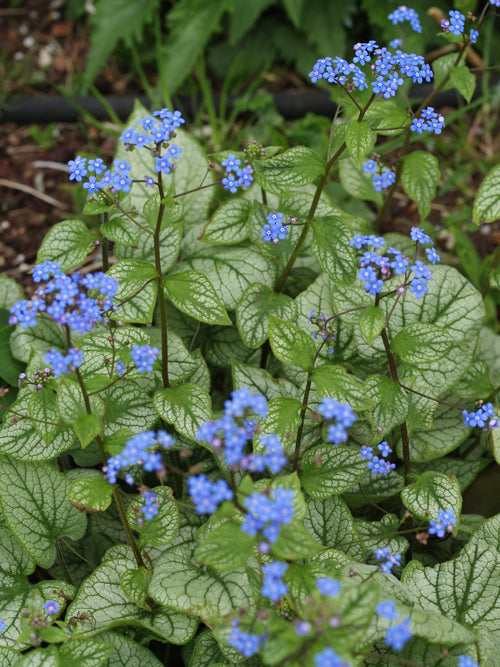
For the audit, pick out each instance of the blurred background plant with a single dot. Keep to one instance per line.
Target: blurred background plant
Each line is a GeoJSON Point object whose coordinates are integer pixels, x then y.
{"type": "Point", "coordinates": [238, 70]}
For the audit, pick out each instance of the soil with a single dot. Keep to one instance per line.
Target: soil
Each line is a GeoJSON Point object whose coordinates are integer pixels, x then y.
{"type": "Point", "coordinates": [42, 48]}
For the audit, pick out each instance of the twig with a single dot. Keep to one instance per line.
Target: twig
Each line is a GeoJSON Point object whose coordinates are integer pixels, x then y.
{"type": "Point", "coordinates": [31, 191]}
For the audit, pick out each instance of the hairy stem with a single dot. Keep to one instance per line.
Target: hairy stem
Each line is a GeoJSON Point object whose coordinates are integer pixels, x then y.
{"type": "Point", "coordinates": [303, 409]}
{"type": "Point", "coordinates": [161, 289]}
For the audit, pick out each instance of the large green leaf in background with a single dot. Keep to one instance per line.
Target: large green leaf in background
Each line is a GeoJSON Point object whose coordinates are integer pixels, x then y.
{"type": "Point", "coordinates": [178, 584]}
{"type": "Point", "coordinates": [102, 594]}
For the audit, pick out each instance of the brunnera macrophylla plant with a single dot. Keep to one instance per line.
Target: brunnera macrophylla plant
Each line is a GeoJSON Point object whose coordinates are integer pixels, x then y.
{"type": "Point", "coordinates": [246, 431]}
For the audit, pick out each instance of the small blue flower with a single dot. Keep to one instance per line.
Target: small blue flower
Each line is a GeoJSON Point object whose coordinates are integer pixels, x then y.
{"type": "Point", "coordinates": [247, 644]}
{"type": "Point", "coordinates": [466, 660]}
{"type": "Point", "coordinates": [444, 522]}
{"type": "Point", "coordinates": [273, 586]}
{"type": "Point", "coordinates": [328, 586]}
{"type": "Point", "coordinates": [51, 607]}
{"type": "Point", "coordinates": [387, 609]}
{"type": "Point", "coordinates": [144, 357]}
{"type": "Point", "coordinates": [231, 163]}
{"type": "Point", "coordinates": [398, 635]}
{"type": "Point", "coordinates": [3, 627]}
{"type": "Point", "coordinates": [328, 658]}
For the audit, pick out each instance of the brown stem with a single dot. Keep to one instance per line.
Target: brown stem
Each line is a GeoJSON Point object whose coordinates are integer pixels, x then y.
{"type": "Point", "coordinates": [406, 144]}
{"type": "Point", "coordinates": [403, 428]}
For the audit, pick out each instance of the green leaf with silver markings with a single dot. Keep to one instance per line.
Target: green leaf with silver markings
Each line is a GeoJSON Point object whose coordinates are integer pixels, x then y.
{"type": "Point", "coordinates": [193, 294]}
{"type": "Point", "coordinates": [432, 492]}
{"type": "Point", "coordinates": [164, 526]}
{"type": "Point", "coordinates": [68, 243]}
{"type": "Point", "coordinates": [179, 585]}
{"type": "Point", "coordinates": [330, 244]}
{"type": "Point", "coordinates": [102, 593]}
{"type": "Point", "coordinates": [34, 502]}
{"type": "Point", "coordinates": [290, 344]}
{"type": "Point", "coordinates": [293, 168]}
{"type": "Point", "coordinates": [371, 322]}
{"type": "Point", "coordinates": [420, 179]}
{"type": "Point", "coordinates": [391, 405]}
{"type": "Point", "coordinates": [465, 589]}
{"type": "Point", "coordinates": [22, 441]}
{"type": "Point", "coordinates": [136, 293]}
{"type": "Point", "coordinates": [360, 140]}
{"type": "Point", "coordinates": [90, 494]}
{"type": "Point", "coordinates": [261, 381]}
{"type": "Point", "coordinates": [85, 652]}
{"type": "Point", "coordinates": [231, 269]}
{"type": "Point", "coordinates": [487, 202]}
{"type": "Point", "coordinates": [227, 547]}
{"type": "Point", "coordinates": [328, 470]}
{"type": "Point", "coordinates": [187, 407]}
{"type": "Point", "coordinates": [230, 223]}
{"type": "Point", "coordinates": [421, 341]}
{"type": "Point", "coordinates": [335, 382]}
{"type": "Point", "coordinates": [254, 308]}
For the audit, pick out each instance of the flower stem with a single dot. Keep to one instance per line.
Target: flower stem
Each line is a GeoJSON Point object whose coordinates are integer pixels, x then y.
{"type": "Point", "coordinates": [116, 491]}
{"type": "Point", "coordinates": [161, 290]}
{"type": "Point", "coordinates": [278, 286]}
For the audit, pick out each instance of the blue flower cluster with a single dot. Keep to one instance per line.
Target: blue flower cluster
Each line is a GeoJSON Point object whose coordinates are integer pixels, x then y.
{"type": "Point", "coordinates": [328, 658]}
{"type": "Point", "coordinates": [455, 24]}
{"type": "Point", "coordinates": [387, 609]}
{"type": "Point", "coordinates": [144, 357]}
{"type": "Point", "coordinates": [380, 179]}
{"type": "Point", "coordinates": [141, 449]}
{"type": "Point", "coordinates": [275, 230]}
{"type": "Point", "coordinates": [402, 14]}
{"type": "Point", "coordinates": [117, 179]}
{"type": "Point", "coordinates": [247, 644]}
{"type": "Point", "coordinates": [389, 69]}
{"type": "Point", "coordinates": [328, 586]}
{"type": "Point", "coordinates": [338, 70]}
{"type": "Point", "coordinates": [495, 3]}
{"type": "Point", "coordinates": [485, 415]}
{"type": "Point", "coordinates": [428, 120]}
{"type": "Point", "coordinates": [66, 298]}
{"type": "Point", "coordinates": [444, 522]}
{"type": "Point", "coordinates": [273, 586]}
{"type": "Point", "coordinates": [342, 414]}
{"type": "Point", "coordinates": [207, 495]}
{"type": "Point", "coordinates": [152, 132]}
{"type": "Point", "coordinates": [235, 176]}
{"type": "Point", "coordinates": [64, 363]}
{"type": "Point", "coordinates": [375, 268]}
{"type": "Point", "coordinates": [227, 434]}
{"type": "Point", "coordinates": [268, 514]}
{"type": "Point", "coordinates": [150, 507]}
{"type": "Point", "coordinates": [378, 466]}
{"type": "Point", "coordinates": [397, 635]}
{"type": "Point", "coordinates": [390, 559]}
